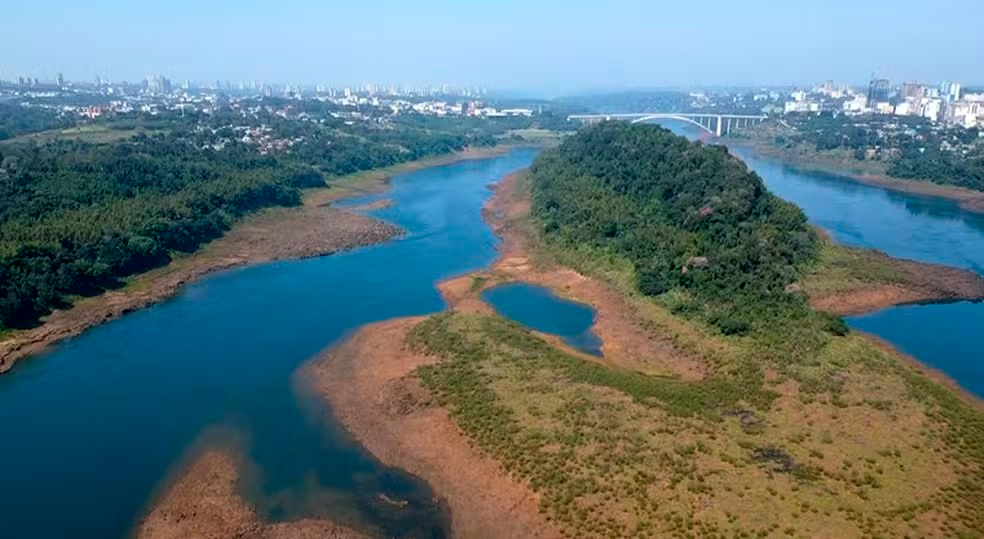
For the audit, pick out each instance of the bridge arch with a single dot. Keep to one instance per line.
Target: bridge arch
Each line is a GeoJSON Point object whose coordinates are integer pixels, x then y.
{"type": "Point", "coordinates": [673, 117]}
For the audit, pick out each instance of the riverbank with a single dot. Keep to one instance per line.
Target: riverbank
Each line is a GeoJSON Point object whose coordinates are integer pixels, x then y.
{"type": "Point", "coordinates": [583, 438]}
{"type": "Point", "coordinates": [204, 502]}
{"type": "Point", "coordinates": [371, 384]}
{"type": "Point", "coordinates": [312, 229]}
{"type": "Point", "coordinates": [968, 199]}
{"type": "Point", "coordinates": [849, 281]}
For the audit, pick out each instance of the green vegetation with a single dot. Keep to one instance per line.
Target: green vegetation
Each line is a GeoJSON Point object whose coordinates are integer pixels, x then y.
{"type": "Point", "coordinates": [621, 454]}
{"type": "Point", "coordinates": [690, 218]}
{"type": "Point", "coordinates": [82, 208]}
{"type": "Point", "coordinates": [798, 429]}
{"type": "Point", "coordinates": [843, 269]}
{"type": "Point", "coordinates": [16, 120]}
{"type": "Point", "coordinates": [948, 168]}
{"type": "Point", "coordinates": [901, 147]}
{"type": "Point", "coordinates": [75, 217]}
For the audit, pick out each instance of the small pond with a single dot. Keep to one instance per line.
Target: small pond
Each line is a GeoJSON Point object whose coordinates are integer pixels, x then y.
{"type": "Point", "coordinates": [538, 308]}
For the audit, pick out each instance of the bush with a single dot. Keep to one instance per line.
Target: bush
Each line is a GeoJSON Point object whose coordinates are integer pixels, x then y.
{"type": "Point", "coordinates": [835, 325]}
{"type": "Point", "coordinates": [730, 325]}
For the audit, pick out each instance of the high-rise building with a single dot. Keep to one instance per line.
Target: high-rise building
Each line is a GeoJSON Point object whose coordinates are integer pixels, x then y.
{"type": "Point", "coordinates": [950, 91]}
{"type": "Point", "coordinates": [914, 90]}
{"type": "Point", "coordinates": [877, 91]}
{"type": "Point", "coordinates": [158, 84]}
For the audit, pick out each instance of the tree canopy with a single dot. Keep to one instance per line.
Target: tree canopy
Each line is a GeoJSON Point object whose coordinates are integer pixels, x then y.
{"type": "Point", "coordinates": [76, 215]}
{"type": "Point", "coordinates": [693, 221]}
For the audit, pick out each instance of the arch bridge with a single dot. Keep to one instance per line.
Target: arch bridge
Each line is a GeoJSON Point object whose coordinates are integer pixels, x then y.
{"type": "Point", "coordinates": [715, 124]}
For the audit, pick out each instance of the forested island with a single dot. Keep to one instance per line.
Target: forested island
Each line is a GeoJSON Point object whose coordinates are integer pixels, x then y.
{"type": "Point", "coordinates": [672, 212]}
{"type": "Point", "coordinates": [724, 405]}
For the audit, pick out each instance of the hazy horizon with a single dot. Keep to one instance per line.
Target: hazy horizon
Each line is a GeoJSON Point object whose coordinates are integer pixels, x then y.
{"type": "Point", "coordinates": [549, 48]}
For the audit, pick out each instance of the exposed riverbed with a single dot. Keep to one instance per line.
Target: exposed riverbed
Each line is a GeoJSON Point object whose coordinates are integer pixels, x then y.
{"type": "Point", "coordinates": [943, 336]}
{"type": "Point", "coordinates": [93, 426]}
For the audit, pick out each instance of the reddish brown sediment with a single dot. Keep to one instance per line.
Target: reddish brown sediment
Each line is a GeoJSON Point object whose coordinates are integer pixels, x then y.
{"type": "Point", "coordinates": [626, 342]}
{"type": "Point", "coordinates": [371, 384]}
{"type": "Point", "coordinates": [203, 504]}
{"type": "Point", "coordinates": [313, 229]}
{"type": "Point", "coordinates": [283, 233]}
{"type": "Point", "coordinates": [375, 205]}
{"type": "Point", "coordinates": [920, 282]}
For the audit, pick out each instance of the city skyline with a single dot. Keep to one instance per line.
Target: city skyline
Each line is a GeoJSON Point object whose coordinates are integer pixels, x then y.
{"type": "Point", "coordinates": [547, 48]}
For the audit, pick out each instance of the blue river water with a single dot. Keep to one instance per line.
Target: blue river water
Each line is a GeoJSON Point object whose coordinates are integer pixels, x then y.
{"type": "Point", "coordinates": [91, 427]}
{"type": "Point", "coordinates": [928, 229]}
{"type": "Point", "coordinates": [539, 308]}
{"type": "Point", "coordinates": [944, 336]}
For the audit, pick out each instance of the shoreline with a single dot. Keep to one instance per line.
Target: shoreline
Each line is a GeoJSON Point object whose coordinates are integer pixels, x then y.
{"type": "Point", "coordinates": [908, 282]}
{"type": "Point", "coordinates": [370, 381]}
{"type": "Point", "coordinates": [967, 199]}
{"type": "Point", "coordinates": [928, 371]}
{"type": "Point", "coordinates": [313, 229]}
{"type": "Point", "coordinates": [371, 384]}
{"type": "Point", "coordinates": [204, 502]}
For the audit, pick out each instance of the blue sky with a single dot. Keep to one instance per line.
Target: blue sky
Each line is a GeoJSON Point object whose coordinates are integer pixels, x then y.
{"type": "Point", "coordinates": [549, 46]}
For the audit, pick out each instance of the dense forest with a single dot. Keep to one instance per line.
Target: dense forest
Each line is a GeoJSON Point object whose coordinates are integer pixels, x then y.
{"type": "Point", "coordinates": [909, 147]}
{"type": "Point", "coordinates": [76, 215]}
{"type": "Point", "coordinates": [16, 120]}
{"type": "Point", "coordinates": [962, 170]}
{"type": "Point", "coordinates": [693, 221]}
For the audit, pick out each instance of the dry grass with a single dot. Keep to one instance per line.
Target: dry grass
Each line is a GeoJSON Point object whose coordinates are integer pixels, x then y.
{"type": "Point", "coordinates": [802, 434]}
{"type": "Point", "coordinates": [849, 280]}
{"type": "Point", "coordinates": [612, 456]}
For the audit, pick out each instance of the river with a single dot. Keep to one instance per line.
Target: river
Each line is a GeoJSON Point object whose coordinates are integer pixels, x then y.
{"type": "Point", "coordinates": [92, 426]}
{"type": "Point", "coordinates": [928, 229]}
{"type": "Point", "coordinates": [945, 336]}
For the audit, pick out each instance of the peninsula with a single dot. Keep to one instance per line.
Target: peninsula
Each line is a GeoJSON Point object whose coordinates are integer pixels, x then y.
{"type": "Point", "coordinates": [724, 403]}
{"type": "Point", "coordinates": [105, 218]}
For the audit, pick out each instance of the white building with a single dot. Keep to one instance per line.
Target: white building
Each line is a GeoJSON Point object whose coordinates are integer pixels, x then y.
{"type": "Point", "coordinates": [858, 104]}
{"type": "Point", "coordinates": [517, 112]}
{"type": "Point", "coordinates": [969, 114]}
{"type": "Point", "coordinates": [905, 108]}
{"type": "Point", "coordinates": [931, 108]}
